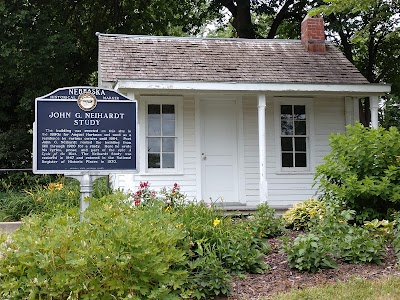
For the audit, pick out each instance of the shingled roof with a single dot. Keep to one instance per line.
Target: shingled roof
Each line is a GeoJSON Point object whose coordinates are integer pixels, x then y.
{"type": "Point", "coordinates": [124, 57]}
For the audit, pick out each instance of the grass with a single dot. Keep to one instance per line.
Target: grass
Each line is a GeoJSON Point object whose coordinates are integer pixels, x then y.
{"type": "Point", "coordinates": [356, 289]}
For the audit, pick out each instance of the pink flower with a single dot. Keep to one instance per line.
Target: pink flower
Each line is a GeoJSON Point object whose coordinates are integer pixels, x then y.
{"type": "Point", "coordinates": [176, 185]}
{"type": "Point", "coordinates": [137, 202]}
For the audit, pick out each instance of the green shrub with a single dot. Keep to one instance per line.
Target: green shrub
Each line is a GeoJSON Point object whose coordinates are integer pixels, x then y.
{"type": "Point", "coordinates": [363, 171]}
{"type": "Point", "coordinates": [17, 181]}
{"type": "Point", "coordinates": [159, 248]}
{"type": "Point", "coordinates": [118, 253]}
{"type": "Point", "coordinates": [235, 244]}
{"type": "Point", "coordinates": [309, 252]}
{"type": "Point", "coordinates": [50, 199]}
{"type": "Point", "coordinates": [332, 237]}
{"type": "Point", "coordinates": [299, 216]}
{"type": "Point", "coordinates": [264, 222]}
{"type": "Point", "coordinates": [208, 277]}
{"type": "Point", "coordinates": [357, 246]}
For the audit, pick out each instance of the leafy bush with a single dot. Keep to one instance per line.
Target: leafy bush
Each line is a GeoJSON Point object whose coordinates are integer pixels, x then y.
{"type": "Point", "coordinates": [234, 243]}
{"type": "Point", "coordinates": [264, 222]}
{"type": "Point", "coordinates": [50, 199]}
{"type": "Point", "coordinates": [18, 181]}
{"type": "Point", "coordinates": [309, 252]}
{"type": "Point", "coordinates": [155, 248]}
{"type": "Point", "coordinates": [118, 253]}
{"type": "Point", "coordinates": [332, 237]}
{"type": "Point", "coordinates": [357, 246]}
{"type": "Point", "coordinates": [299, 216]}
{"type": "Point", "coordinates": [208, 277]}
{"type": "Point", "coordinates": [363, 171]}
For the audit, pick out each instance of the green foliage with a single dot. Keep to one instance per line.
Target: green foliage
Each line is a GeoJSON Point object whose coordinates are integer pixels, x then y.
{"type": "Point", "coordinates": [208, 277]}
{"type": "Point", "coordinates": [118, 253]}
{"type": "Point", "coordinates": [300, 214]}
{"type": "Point", "coordinates": [357, 246]}
{"type": "Point", "coordinates": [264, 223]}
{"type": "Point", "coordinates": [18, 181]}
{"type": "Point", "coordinates": [390, 113]}
{"type": "Point", "coordinates": [381, 229]}
{"type": "Point", "coordinates": [158, 248]}
{"type": "Point", "coordinates": [332, 237]}
{"type": "Point", "coordinates": [363, 171]}
{"type": "Point", "coordinates": [309, 252]}
{"type": "Point", "coordinates": [101, 187]}
{"type": "Point", "coordinates": [49, 44]}
{"type": "Point", "coordinates": [46, 200]}
{"type": "Point", "coordinates": [235, 243]}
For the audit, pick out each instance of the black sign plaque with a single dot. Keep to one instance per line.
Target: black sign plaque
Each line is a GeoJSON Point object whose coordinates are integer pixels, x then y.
{"type": "Point", "coordinates": [84, 130]}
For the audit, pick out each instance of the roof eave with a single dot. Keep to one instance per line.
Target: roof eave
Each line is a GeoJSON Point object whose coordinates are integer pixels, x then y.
{"type": "Point", "coordinates": [362, 89]}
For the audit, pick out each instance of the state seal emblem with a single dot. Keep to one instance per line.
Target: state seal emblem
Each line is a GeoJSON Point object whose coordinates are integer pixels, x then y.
{"type": "Point", "coordinates": [87, 101]}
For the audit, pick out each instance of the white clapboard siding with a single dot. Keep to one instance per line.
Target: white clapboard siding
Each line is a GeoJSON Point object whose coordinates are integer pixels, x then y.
{"type": "Point", "coordinates": [287, 188]}
{"type": "Point", "coordinates": [187, 180]}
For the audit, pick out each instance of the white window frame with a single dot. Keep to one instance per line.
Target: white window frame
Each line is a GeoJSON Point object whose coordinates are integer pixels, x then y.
{"type": "Point", "coordinates": [309, 106]}
{"type": "Point", "coordinates": [177, 101]}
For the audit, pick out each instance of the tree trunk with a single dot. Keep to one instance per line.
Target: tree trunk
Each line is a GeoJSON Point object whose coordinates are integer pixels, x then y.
{"type": "Point", "coordinates": [280, 16]}
{"type": "Point", "coordinates": [242, 23]}
{"type": "Point", "coordinates": [240, 10]}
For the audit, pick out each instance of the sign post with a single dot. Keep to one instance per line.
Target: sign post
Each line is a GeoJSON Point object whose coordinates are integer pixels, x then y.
{"type": "Point", "coordinates": [84, 133]}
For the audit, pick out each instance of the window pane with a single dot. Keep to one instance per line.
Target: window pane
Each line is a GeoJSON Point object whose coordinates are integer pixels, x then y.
{"type": "Point", "coordinates": [168, 112]}
{"type": "Point", "coordinates": [286, 112]}
{"type": "Point", "coordinates": [154, 124]}
{"type": "Point", "coordinates": [168, 127]}
{"type": "Point", "coordinates": [286, 144]}
{"type": "Point", "coordinates": [299, 112]}
{"type": "Point", "coordinates": [301, 160]}
{"type": "Point", "coordinates": [287, 160]}
{"type": "Point", "coordinates": [168, 144]}
{"type": "Point", "coordinates": [300, 127]}
{"type": "Point", "coordinates": [154, 144]}
{"type": "Point", "coordinates": [154, 109]}
{"type": "Point", "coordinates": [300, 144]}
{"type": "Point", "coordinates": [154, 160]}
{"type": "Point", "coordinates": [287, 127]}
{"type": "Point", "coordinates": [168, 160]}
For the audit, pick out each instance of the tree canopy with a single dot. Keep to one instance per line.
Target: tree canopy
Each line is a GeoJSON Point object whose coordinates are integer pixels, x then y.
{"type": "Point", "coordinates": [51, 43]}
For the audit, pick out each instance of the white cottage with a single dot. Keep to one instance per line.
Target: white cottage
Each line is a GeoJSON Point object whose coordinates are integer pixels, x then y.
{"type": "Point", "coordinates": [238, 120]}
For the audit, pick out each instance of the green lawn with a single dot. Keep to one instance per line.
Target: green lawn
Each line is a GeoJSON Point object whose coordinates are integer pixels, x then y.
{"type": "Point", "coordinates": [387, 288]}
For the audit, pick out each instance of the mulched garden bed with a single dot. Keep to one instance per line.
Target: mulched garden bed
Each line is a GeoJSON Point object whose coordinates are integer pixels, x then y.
{"type": "Point", "coordinates": [282, 278]}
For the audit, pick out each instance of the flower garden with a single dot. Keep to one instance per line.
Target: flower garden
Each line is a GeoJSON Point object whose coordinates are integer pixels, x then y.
{"type": "Point", "coordinates": [157, 245]}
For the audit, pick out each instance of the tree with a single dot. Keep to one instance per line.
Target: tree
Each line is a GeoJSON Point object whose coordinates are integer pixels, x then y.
{"type": "Point", "coordinates": [366, 31]}
{"type": "Point", "coordinates": [369, 35]}
{"type": "Point", "coordinates": [49, 44]}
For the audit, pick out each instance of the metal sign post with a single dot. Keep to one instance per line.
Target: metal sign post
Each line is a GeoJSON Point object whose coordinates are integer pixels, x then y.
{"type": "Point", "coordinates": [86, 189]}
{"type": "Point", "coordinates": [84, 133]}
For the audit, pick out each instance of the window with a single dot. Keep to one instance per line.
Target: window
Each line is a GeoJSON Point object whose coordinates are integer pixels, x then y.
{"type": "Point", "coordinates": [161, 136]}
{"type": "Point", "coordinates": [294, 136]}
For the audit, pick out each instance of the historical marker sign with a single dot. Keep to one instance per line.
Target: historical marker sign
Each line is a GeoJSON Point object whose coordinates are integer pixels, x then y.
{"type": "Point", "coordinates": [84, 130]}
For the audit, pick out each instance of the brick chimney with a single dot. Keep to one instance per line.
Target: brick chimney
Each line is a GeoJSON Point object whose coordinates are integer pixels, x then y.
{"type": "Point", "coordinates": [313, 34]}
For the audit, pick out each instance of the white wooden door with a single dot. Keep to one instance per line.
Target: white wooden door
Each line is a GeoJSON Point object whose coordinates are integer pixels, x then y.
{"type": "Point", "coordinates": [219, 151]}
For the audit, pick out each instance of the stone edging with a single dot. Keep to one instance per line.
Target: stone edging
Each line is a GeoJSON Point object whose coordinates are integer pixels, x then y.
{"type": "Point", "coordinates": [9, 226]}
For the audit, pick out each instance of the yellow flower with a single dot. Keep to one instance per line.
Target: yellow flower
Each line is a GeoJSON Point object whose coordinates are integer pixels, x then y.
{"type": "Point", "coordinates": [311, 213]}
{"type": "Point", "coordinates": [179, 225]}
{"type": "Point", "coordinates": [58, 186]}
{"type": "Point", "coordinates": [168, 209]}
{"type": "Point", "coordinates": [216, 222]}
{"type": "Point", "coordinates": [55, 186]}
